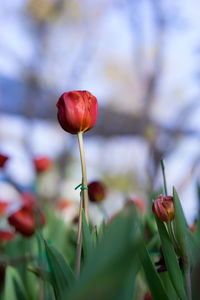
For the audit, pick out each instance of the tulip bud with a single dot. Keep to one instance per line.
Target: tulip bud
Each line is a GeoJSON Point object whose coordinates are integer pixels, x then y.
{"type": "Point", "coordinates": [96, 191]}
{"type": "Point", "coordinates": [163, 208]}
{"type": "Point", "coordinates": [42, 164]}
{"type": "Point", "coordinates": [3, 160]}
{"type": "Point", "coordinates": [77, 111]}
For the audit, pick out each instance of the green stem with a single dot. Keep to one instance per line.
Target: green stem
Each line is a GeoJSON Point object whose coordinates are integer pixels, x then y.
{"type": "Point", "coordinates": [164, 177]}
{"type": "Point", "coordinates": [171, 234]}
{"type": "Point", "coordinates": [84, 176]}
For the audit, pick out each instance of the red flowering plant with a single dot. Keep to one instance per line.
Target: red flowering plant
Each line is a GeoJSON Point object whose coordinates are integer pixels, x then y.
{"type": "Point", "coordinates": [118, 259]}
{"type": "Point", "coordinates": [42, 163]}
{"type": "Point", "coordinates": [77, 113]}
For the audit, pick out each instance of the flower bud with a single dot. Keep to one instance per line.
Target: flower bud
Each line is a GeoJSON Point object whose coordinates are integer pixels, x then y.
{"type": "Point", "coordinates": [96, 191]}
{"type": "Point", "coordinates": [163, 208]}
{"type": "Point", "coordinates": [42, 163]}
{"type": "Point", "coordinates": [77, 111]}
{"type": "Point", "coordinates": [3, 160]}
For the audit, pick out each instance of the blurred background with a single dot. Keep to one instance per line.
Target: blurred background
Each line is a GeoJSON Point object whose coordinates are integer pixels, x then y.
{"type": "Point", "coordinates": [141, 59]}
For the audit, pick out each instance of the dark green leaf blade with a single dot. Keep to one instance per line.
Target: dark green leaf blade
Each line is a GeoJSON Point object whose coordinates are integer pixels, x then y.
{"type": "Point", "coordinates": [171, 261]}
{"type": "Point", "coordinates": [62, 277]}
{"type": "Point", "coordinates": [105, 272]}
{"type": "Point", "coordinates": [14, 288]}
{"type": "Point", "coordinates": [155, 284]}
{"type": "Point", "coordinates": [181, 229]}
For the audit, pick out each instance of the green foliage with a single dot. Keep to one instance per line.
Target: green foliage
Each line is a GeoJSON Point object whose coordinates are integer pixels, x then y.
{"type": "Point", "coordinates": [14, 288]}
{"type": "Point", "coordinates": [62, 277]}
{"type": "Point", "coordinates": [181, 230]}
{"type": "Point", "coordinates": [112, 264]}
{"type": "Point", "coordinates": [171, 261]}
{"type": "Point", "coordinates": [86, 238]}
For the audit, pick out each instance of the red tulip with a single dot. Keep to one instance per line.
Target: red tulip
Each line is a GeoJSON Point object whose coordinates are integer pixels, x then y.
{"type": "Point", "coordinates": [163, 208]}
{"type": "Point", "coordinates": [193, 227]}
{"type": "Point", "coordinates": [139, 202]}
{"type": "Point", "coordinates": [30, 216]}
{"type": "Point", "coordinates": [63, 204]}
{"type": "Point", "coordinates": [147, 295]}
{"type": "Point", "coordinates": [42, 163]}
{"type": "Point", "coordinates": [77, 111]}
{"type": "Point", "coordinates": [6, 235]}
{"type": "Point", "coordinates": [3, 208]}
{"type": "Point", "coordinates": [96, 191]}
{"type": "Point", "coordinates": [3, 160]}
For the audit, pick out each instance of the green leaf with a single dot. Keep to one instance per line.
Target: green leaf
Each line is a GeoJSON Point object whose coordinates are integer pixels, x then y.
{"type": "Point", "coordinates": [101, 230]}
{"type": "Point", "coordinates": [62, 277]}
{"type": "Point", "coordinates": [168, 286]}
{"type": "Point", "coordinates": [197, 229]}
{"type": "Point", "coordinates": [126, 292]}
{"type": "Point", "coordinates": [181, 229]}
{"type": "Point", "coordinates": [198, 193]}
{"type": "Point", "coordinates": [155, 284]}
{"type": "Point", "coordinates": [14, 288]}
{"type": "Point", "coordinates": [171, 261]}
{"type": "Point", "coordinates": [105, 272]}
{"type": "Point", "coordinates": [87, 239]}
{"type": "Point", "coordinates": [41, 273]}
{"type": "Point", "coordinates": [94, 236]}
{"type": "Point", "coordinates": [193, 243]}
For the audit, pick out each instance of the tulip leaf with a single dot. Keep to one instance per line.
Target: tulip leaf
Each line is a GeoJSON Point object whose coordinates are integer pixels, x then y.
{"type": "Point", "coordinates": [193, 243]}
{"type": "Point", "coordinates": [155, 284]}
{"type": "Point", "coordinates": [171, 261]}
{"type": "Point", "coordinates": [14, 288]}
{"type": "Point", "coordinates": [181, 229]}
{"type": "Point", "coordinates": [107, 269]}
{"type": "Point", "coordinates": [87, 239]}
{"type": "Point", "coordinates": [168, 286]}
{"type": "Point", "coordinates": [62, 277]}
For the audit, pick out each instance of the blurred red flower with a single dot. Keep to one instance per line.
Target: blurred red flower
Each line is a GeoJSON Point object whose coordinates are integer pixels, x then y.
{"type": "Point", "coordinates": [62, 204]}
{"type": "Point", "coordinates": [6, 235]}
{"type": "Point", "coordinates": [3, 208]}
{"type": "Point", "coordinates": [139, 202]}
{"type": "Point", "coordinates": [96, 191]}
{"type": "Point", "coordinates": [42, 163]}
{"type": "Point", "coordinates": [28, 217]}
{"type": "Point", "coordinates": [147, 295]}
{"type": "Point", "coordinates": [3, 160]}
